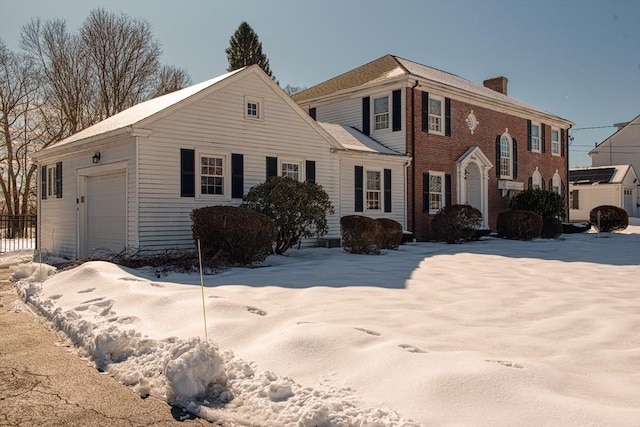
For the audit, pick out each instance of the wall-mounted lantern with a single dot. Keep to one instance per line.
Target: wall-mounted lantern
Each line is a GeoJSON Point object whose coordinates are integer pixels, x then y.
{"type": "Point", "coordinates": [96, 158]}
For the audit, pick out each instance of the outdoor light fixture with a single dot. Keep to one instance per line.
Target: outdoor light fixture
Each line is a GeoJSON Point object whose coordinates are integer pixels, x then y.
{"type": "Point", "coordinates": [96, 158]}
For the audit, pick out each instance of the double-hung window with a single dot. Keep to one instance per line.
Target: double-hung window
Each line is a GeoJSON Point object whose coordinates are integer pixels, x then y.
{"type": "Point", "coordinates": [436, 191]}
{"type": "Point", "coordinates": [555, 142]}
{"type": "Point", "coordinates": [381, 113]}
{"type": "Point", "coordinates": [535, 137]}
{"type": "Point", "coordinates": [505, 157]}
{"type": "Point", "coordinates": [435, 114]}
{"type": "Point", "coordinates": [536, 180]}
{"type": "Point", "coordinates": [556, 183]}
{"type": "Point", "coordinates": [290, 170]}
{"type": "Point", "coordinates": [212, 171]}
{"type": "Point", "coordinates": [52, 179]}
{"type": "Point", "coordinates": [373, 190]}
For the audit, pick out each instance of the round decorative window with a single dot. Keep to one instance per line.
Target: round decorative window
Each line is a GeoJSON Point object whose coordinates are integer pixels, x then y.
{"type": "Point", "coordinates": [472, 122]}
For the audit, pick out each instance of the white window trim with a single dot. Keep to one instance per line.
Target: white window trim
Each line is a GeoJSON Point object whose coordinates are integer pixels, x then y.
{"type": "Point", "coordinates": [226, 167]}
{"type": "Point", "coordinates": [442, 118]}
{"type": "Point", "coordinates": [52, 180]}
{"type": "Point", "coordinates": [539, 149]}
{"type": "Point", "coordinates": [254, 100]}
{"type": "Point", "coordinates": [442, 191]}
{"type": "Point", "coordinates": [510, 151]}
{"type": "Point", "coordinates": [553, 152]}
{"type": "Point", "coordinates": [536, 180]}
{"type": "Point", "coordinates": [373, 111]}
{"type": "Point", "coordinates": [295, 161]}
{"type": "Point", "coordinates": [381, 190]}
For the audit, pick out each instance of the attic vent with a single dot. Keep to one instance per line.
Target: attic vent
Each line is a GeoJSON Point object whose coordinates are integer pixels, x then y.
{"type": "Point", "coordinates": [499, 84]}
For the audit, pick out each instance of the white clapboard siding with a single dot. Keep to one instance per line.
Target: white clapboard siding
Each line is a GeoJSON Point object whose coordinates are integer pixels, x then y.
{"type": "Point", "coordinates": [58, 218]}
{"type": "Point", "coordinates": [216, 124]}
{"type": "Point", "coordinates": [349, 112]}
{"type": "Point", "coordinates": [398, 187]}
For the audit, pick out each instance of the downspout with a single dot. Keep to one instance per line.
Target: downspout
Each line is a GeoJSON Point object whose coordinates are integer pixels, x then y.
{"type": "Point", "coordinates": [413, 156]}
{"type": "Point", "coordinates": [566, 200]}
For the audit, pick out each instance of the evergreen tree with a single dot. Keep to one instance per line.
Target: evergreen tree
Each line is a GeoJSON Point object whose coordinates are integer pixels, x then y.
{"type": "Point", "coordinates": [246, 49]}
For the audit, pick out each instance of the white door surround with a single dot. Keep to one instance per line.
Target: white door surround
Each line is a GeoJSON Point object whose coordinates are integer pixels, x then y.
{"type": "Point", "coordinates": [473, 181]}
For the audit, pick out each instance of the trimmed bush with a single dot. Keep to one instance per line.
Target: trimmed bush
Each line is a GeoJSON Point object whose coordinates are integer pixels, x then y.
{"type": "Point", "coordinates": [543, 202]}
{"type": "Point", "coordinates": [456, 224]}
{"type": "Point", "coordinates": [298, 209]}
{"type": "Point", "coordinates": [519, 225]}
{"type": "Point", "coordinates": [551, 227]}
{"type": "Point", "coordinates": [612, 218]}
{"type": "Point", "coordinates": [392, 233]}
{"type": "Point", "coordinates": [361, 235]}
{"type": "Point", "coordinates": [236, 234]}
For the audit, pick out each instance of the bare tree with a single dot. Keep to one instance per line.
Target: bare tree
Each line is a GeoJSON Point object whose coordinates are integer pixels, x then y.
{"type": "Point", "coordinates": [18, 106]}
{"type": "Point", "coordinates": [125, 57]}
{"type": "Point", "coordinates": [292, 90]}
{"type": "Point", "coordinates": [170, 79]}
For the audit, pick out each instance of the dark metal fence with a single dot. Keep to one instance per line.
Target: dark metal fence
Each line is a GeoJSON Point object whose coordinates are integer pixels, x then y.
{"type": "Point", "coordinates": [17, 232]}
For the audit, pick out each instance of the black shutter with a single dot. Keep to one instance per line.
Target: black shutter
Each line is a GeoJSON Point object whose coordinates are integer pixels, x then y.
{"type": "Point", "coordinates": [530, 184]}
{"type": "Point", "coordinates": [366, 115]}
{"type": "Point", "coordinates": [447, 117]}
{"type": "Point", "coordinates": [359, 194]}
{"type": "Point", "coordinates": [425, 192]}
{"type": "Point", "coordinates": [425, 111]}
{"type": "Point", "coordinates": [498, 156]}
{"type": "Point", "coordinates": [272, 167]}
{"type": "Point", "coordinates": [562, 188]}
{"type": "Point", "coordinates": [541, 183]}
{"type": "Point", "coordinates": [515, 159]}
{"type": "Point", "coordinates": [59, 180]}
{"type": "Point", "coordinates": [312, 113]}
{"type": "Point", "coordinates": [237, 176]}
{"type": "Point", "coordinates": [562, 141]}
{"type": "Point", "coordinates": [447, 190]}
{"type": "Point", "coordinates": [543, 138]}
{"type": "Point", "coordinates": [187, 173]}
{"type": "Point", "coordinates": [576, 200]}
{"type": "Point", "coordinates": [311, 171]}
{"type": "Point", "coordinates": [43, 182]}
{"type": "Point", "coordinates": [387, 190]}
{"type": "Point", "coordinates": [396, 106]}
{"type": "Point", "coordinates": [529, 135]}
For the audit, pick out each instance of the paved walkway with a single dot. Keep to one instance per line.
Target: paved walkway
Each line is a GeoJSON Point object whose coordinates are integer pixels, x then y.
{"type": "Point", "coordinates": [43, 384]}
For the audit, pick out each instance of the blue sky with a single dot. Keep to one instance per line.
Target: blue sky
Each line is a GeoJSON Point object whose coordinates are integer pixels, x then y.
{"type": "Point", "coordinates": [579, 59]}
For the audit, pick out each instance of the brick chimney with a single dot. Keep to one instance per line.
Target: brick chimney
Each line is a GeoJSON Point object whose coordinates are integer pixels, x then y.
{"type": "Point", "coordinates": [499, 84]}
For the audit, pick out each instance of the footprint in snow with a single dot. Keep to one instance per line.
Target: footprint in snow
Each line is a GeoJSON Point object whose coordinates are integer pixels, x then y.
{"type": "Point", "coordinates": [156, 285]}
{"type": "Point", "coordinates": [86, 291]}
{"type": "Point", "coordinates": [411, 349]}
{"type": "Point", "coordinates": [125, 320]}
{"type": "Point", "coordinates": [257, 311]}
{"type": "Point", "coordinates": [131, 279]}
{"type": "Point", "coordinates": [507, 363]}
{"type": "Point", "coordinates": [55, 297]}
{"type": "Point", "coordinates": [368, 331]}
{"type": "Point", "coordinates": [92, 300]}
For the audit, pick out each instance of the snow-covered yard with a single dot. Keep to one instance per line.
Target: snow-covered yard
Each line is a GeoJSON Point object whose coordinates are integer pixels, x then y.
{"type": "Point", "coordinates": [491, 333]}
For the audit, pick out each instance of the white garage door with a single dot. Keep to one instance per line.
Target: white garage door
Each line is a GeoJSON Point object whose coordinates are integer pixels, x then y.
{"type": "Point", "coordinates": [106, 213]}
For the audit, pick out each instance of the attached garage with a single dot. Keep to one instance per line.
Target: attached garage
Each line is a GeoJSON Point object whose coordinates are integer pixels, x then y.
{"type": "Point", "coordinates": [103, 213]}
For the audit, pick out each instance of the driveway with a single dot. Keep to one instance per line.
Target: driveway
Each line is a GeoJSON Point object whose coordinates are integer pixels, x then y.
{"type": "Point", "coordinates": [42, 382]}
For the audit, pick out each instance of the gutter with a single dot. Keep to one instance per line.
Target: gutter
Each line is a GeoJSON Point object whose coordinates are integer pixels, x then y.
{"type": "Point", "coordinates": [413, 155]}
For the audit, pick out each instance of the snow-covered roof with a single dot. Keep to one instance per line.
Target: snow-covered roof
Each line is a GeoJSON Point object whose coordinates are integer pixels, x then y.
{"type": "Point", "coordinates": [138, 112]}
{"type": "Point", "coordinates": [610, 174]}
{"type": "Point", "coordinates": [352, 139]}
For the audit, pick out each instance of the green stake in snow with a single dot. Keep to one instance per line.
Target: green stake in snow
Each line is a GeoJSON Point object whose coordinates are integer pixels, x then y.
{"type": "Point", "coordinates": [204, 311]}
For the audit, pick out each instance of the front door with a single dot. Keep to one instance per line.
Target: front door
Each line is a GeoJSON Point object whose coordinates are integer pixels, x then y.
{"type": "Point", "coordinates": [474, 188]}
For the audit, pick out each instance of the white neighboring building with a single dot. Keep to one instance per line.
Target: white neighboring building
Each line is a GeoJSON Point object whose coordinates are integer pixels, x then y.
{"type": "Point", "coordinates": [603, 185]}
{"type": "Point", "coordinates": [621, 148]}
{"type": "Point", "coordinates": [132, 180]}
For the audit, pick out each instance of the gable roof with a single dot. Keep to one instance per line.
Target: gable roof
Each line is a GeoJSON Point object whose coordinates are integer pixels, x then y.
{"type": "Point", "coordinates": [389, 66]}
{"type": "Point", "coordinates": [614, 174]}
{"type": "Point", "coordinates": [352, 139]}
{"type": "Point", "coordinates": [621, 130]}
{"type": "Point", "coordinates": [144, 110]}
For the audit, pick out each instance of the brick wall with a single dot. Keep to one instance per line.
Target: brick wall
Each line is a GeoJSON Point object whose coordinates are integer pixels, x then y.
{"type": "Point", "coordinates": [440, 153]}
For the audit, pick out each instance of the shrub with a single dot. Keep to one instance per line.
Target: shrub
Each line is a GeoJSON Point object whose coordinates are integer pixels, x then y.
{"type": "Point", "coordinates": [361, 235]}
{"type": "Point", "coordinates": [238, 235]}
{"type": "Point", "coordinates": [551, 227]}
{"type": "Point", "coordinates": [392, 233]}
{"type": "Point", "coordinates": [298, 209]}
{"type": "Point", "coordinates": [456, 223]}
{"type": "Point", "coordinates": [519, 225]}
{"type": "Point", "coordinates": [543, 202]}
{"type": "Point", "coordinates": [612, 218]}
